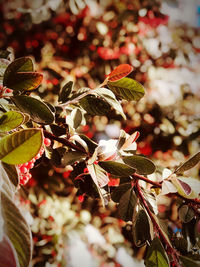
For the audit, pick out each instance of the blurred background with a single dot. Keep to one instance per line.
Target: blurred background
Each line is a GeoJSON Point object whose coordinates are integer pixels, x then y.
{"type": "Point", "coordinates": [82, 41]}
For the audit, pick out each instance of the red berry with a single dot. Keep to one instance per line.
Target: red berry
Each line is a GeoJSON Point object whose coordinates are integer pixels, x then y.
{"type": "Point", "coordinates": [81, 198]}
{"type": "Point", "coordinates": [23, 169]}
{"type": "Point", "coordinates": [41, 151]}
{"type": "Point", "coordinates": [30, 165]}
{"type": "Point", "coordinates": [47, 142]}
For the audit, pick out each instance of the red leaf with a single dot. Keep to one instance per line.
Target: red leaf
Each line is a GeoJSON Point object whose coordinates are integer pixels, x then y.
{"type": "Point", "coordinates": [187, 189]}
{"type": "Point", "coordinates": [120, 72]}
{"type": "Point", "coordinates": [8, 256]}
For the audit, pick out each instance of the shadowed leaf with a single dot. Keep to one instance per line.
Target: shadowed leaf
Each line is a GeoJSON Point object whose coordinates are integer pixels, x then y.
{"type": "Point", "coordinates": [116, 168]}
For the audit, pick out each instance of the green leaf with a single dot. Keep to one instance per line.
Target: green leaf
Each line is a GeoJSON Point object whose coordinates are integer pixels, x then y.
{"type": "Point", "coordinates": [140, 227]}
{"type": "Point", "coordinates": [90, 143]}
{"type": "Point", "coordinates": [116, 168]}
{"type": "Point", "coordinates": [94, 106]}
{"type": "Point", "coordinates": [156, 255]}
{"type": "Point", "coordinates": [8, 255]}
{"type": "Point", "coordinates": [12, 173]}
{"type": "Point", "coordinates": [127, 89]}
{"type": "Point", "coordinates": [24, 81]}
{"type": "Point", "coordinates": [119, 191]}
{"type": "Point", "coordinates": [65, 92]}
{"type": "Point", "coordinates": [140, 163]}
{"type": "Point", "coordinates": [76, 117]}
{"type": "Point", "coordinates": [188, 164]}
{"type": "Point", "coordinates": [10, 120]}
{"type": "Point", "coordinates": [186, 214]}
{"type": "Point", "coordinates": [187, 262]}
{"type": "Point", "coordinates": [71, 157]}
{"type": "Point", "coordinates": [17, 230]}
{"type": "Point", "coordinates": [21, 147]}
{"type": "Point", "coordinates": [38, 111]}
{"type": "Point", "coordinates": [126, 205]}
{"type": "Point", "coordinates": [110, 98]}
{"type": "Point", "coordinates": [122, 139]}
{"type": "Point", "coordinates": [119, 72]}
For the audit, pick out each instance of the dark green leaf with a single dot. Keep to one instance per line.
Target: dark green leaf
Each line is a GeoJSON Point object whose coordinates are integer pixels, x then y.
{"type": "Point", "coordinates": [186, 213]}
{"type": "Point", "coordinates": [17, 230]}
{"type": "Point", "coordinates": [65, 92]}
{"type": "Point", "coordinates": [77, 117]}
{"type": "Point", "coordinates": [188, 164]}
{"type": "Point", "coordinates": [116, 168]}
{"type": "Point", "coordinates": [110, 98]}
{"type": "Point", "coordinates": [140, 227]}
{"type": "Point", "coordinates": [156, 255]}
{"type": "Point", "coordinates": [71, 157]}
{"type": "Point", "coordinates": [38, 111]}
{"type": "Point", "coordinates": [122, 139]}
{"type": "Point", "coordinates": [24, 81]}
{"type": "Point", "coordinates": [119, 191]}
{"type": "Point", "coordinates": [126, 205]}
{"type": "Point", "coordinates": [58, 130]}
{"type": "Point", "coordinates": [12, 173]}
{"type": "Point", "coordinates": [4, 54]}
{"type": "Point", "coordinates": [187, 262]}
{"type": "Point", "coordinates": [140, 163]}
{"type": "Point", "coordinates": [10, 120]}
{"type": "Point", "coordinates": [90, 143]}
{"type": "Point", "coordinates": [20, 147]}
{"type": "Point", "coordinates": [127, 89]}
{"type": "Point", "coordinates": [94, 106]}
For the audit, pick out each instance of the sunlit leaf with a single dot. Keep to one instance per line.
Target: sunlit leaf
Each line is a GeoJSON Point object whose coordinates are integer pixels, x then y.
{"type": "Point", "coordinates": [119, 72]}
{"type": "Point", "coordinates": [188, 164]}
{"type": "Point", "coordinates": [20, 147]}
{"type": "Point", "coordinates": [24, 81]}
{"type": "Point", "coordinates": [156, 255]}
{"type": "Point", "coordinates": [140, 227]}
{"type": "Point", "coordinates": [127, 89]}
{"type": "Point", "coordinates": [65, 92]}
{"type": "Point", "coordinates": [116, 168]}
{"type": "Point", "coordinates": [10, 120]}
{"type": "Point", "coordinates": [17, 230]}
{"type": "Point", "coordinates": [130, 140]}
{"type": "Point", "coordinates": [126, 205]}
{"type": "Point", "coordinates": [38, 111]}
{"type": "Point", "coordinates": [142, 164]}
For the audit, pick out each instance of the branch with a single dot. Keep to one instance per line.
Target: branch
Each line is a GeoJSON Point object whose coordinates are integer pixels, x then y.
{"type": "Point", "coordinates": [140, 177]}
{"type": "Point", "coordinates": [63, 141]}
{"type": "Point", "coordinates": [156, 225]}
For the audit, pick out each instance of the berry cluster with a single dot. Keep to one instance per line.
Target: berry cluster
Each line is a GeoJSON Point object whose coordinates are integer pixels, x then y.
{"type": "Point", "coordinates": [24, 174]}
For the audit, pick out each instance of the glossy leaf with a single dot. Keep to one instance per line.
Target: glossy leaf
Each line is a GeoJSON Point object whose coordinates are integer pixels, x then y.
{"type": "Point", "coordinates": [116, 168]}
{"type": "Point", "coordinates": [127, 89]}
{"type": "Point", "coordinates": [126, 205]}
{"type": "Point", "coordinates": [76, 117]}
{"type": "Point", "coordinates": [188, 164]}
{"type": "Point", "coordinates": [8, 255]}
{"type": "Point", "coordinates": [17, 230]}
{"type": "Point", "coordinates": [12, 173]}
{"type": "Point", "coordinates": [156, 255]}
{"type": "Point", "coordinates": [94, 106]}
{"type": "Point", "coordinates": [10, 120]}
{"type": "Point", "coordinates": [98, 175]}
{"type": "Point", "coordinates": [119, 72]}
{"type": "Point", "coordinates": [38, 111]}
{"type": "Point", "coordinates": [140, 227]}
{"type": "Point", "coordinates": [65, 92]}
{"type": "Point", "coordinates": [140, 163]}
{"type": "Point", "coordinates": [71, 157]}
{"type": "Point", "coordinates": [110, 98]}
{"type": "Point", "coordinates": [24, 81]}
{"type": "Point", "coordinates": [119, 191]}
{"type": "Point", "coordinates": [186, 214]}
{"type": "Point", "coordinates": [90, 143]}
{"type": "Point", "coordinates": [20, 147]}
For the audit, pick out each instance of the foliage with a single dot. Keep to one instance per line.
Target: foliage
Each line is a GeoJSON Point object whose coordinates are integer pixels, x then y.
{"type": "Point", "coordinates": [34, 131]}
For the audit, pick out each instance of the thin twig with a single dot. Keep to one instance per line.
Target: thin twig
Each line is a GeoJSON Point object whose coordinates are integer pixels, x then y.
{"type": "Point", "coordinates": [63, 141]}
{"type": "Point", "coordinates": [140, 177]}
{"type": "Point", "coordinates": [170, 248]}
